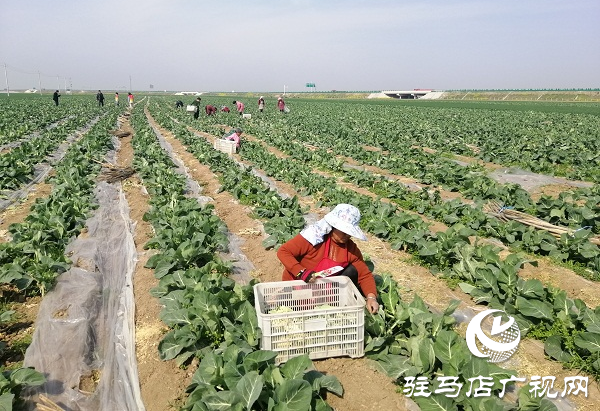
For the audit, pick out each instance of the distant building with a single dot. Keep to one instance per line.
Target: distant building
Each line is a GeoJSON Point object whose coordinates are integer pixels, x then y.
{"type": "Point", "coordinates": [188, 93]}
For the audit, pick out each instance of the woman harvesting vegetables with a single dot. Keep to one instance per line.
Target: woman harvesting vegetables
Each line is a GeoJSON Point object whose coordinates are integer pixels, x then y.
{"type": "Point", "coordinates": [327, 244]}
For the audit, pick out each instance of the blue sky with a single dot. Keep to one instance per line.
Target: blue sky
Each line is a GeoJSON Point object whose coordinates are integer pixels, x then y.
{"type": "Point", "coordinates": [264, 45]}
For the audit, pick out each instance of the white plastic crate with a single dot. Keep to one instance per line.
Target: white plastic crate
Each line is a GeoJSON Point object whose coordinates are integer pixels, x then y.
{"type": "Point", "coordinates": [334, 331]}
{"type": "Point", "coordinates": [226, 146]}
{"type": "Point", "coordinates": [247, 116]}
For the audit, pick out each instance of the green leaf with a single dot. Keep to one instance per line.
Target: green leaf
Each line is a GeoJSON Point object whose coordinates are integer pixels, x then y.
{"type": "Point", "coordinates": [535, 308]}
{"type": "Point", "coordinates": [444, 345]}
{"type": "Point", "coordinates": [451, 307]}
{"type": "Point", "coordinates": [320, 381]}
{"type": "Point", "coordinates": [163, 268]}
{"type": "Point", "coordinates": [531, 288]}
{"type": "Point", "coordinates": [395, 366]}
{"type": "Point", "coordinates": [321, 405]}
{"type": "Point", "coordinates": [435, 403]}
{"type": "Point", "coordinates": [6, 401]}
{"type": "Point", "coordinates": [169, 347]}
{"type": "Point", "coordinates": [232, 373]}
{"type": "Point", "coordinates": [224, 401]}
{"type": "Point", "coordinates": [591, 319]}
{"type": "Point", "coordinates": [175, 317]}
{"type": "Point", "coordinates": [331, 384]}
{"type": "Point", "coordinates": [295, 367]}
{"type": "Point", "coordinates": [588, 341]}
{"type": "Point", "coordinates": [553, 346]}
{"type": "Point", "coordinates": [250, 387]}
{"type": "Point", "coordinates": [27, 376]}
{"type": "Point", "coordinates": [293, 395]}
{"type": "Point", "coordinates": [256, 360]}
{"type": "Point", "coordinates": [270, 242]}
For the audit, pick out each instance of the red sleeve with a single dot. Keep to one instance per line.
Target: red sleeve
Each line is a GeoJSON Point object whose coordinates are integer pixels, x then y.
{"type": "Point", "coordinates": [290, 255]}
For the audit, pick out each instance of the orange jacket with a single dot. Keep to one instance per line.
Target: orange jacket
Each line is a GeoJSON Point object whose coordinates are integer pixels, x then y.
{"type": "Point", "coordinates": [298, 253]}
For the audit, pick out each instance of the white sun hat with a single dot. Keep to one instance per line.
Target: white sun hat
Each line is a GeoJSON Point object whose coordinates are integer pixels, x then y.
{"type": "Point", "coordinates": [345, 217]}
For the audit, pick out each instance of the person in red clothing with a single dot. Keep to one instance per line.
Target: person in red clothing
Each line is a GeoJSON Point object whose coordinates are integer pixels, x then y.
{"type": "Point", "coordinates": [210, 110]}
{"type": "Point", "coordinates": [236, 137]}
{"type": "Point", "coordinates": [281, 105]}
{"type": "Point", "coordinates": [327, 244]}
{"type": "Point", "coordinates": [225, 109]}
{"type": "Point", "coordinates": [239, 106]}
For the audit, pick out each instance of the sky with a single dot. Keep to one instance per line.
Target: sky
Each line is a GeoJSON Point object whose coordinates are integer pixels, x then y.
{"type": "Point", "coordinates": [275, 46]}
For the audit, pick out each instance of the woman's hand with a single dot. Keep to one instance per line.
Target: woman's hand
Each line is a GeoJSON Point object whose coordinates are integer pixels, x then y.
{"type": "Point", "coordinates": [372, 304]}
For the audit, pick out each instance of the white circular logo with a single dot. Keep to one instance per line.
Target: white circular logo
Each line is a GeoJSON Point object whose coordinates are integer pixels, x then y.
{"type": "Point", "coordinates": [503, 339]}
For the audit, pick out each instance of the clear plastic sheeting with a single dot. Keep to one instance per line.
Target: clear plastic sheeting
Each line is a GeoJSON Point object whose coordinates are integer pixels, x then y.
{"type": "Point", "coordinates": [84, 340]}
{"type": "Point", "coordinates": [529, 180]}
{"type": "Point", "coordinates": [242, 266]}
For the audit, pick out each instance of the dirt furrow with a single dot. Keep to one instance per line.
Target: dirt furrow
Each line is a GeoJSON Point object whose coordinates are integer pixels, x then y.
{"type": "Point", "coordinates": [162, 383]}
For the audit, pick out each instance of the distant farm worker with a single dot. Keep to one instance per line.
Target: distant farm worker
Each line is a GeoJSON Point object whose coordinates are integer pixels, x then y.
{"type": "Point", "coordinates": [178, 104]}
{"type": "Point", "coordinates": [130, 100]}
{"type": "Point", "coordinates": [261, 104]}
{"type": "Point", "coordinates": [281, 105]}
{"type": "Point", "coordinates": [326, 244]}
{"type": "Point", "coordinates": [210, 109]}
{"type": "Point", "coordinates": [100, 98]}
{"type": "Point", "coordinates": [235, 136]}
{"type": "Point", "coordinates": [55, 97]}
{"type": "Point", "coordinates": [225, 109]}
{"type": "Point", "coordinates": [239, 106]}
{"type": "Point", "coordinates": [116, 99]}
{"type": "Point", "coordinates": [197, 104]}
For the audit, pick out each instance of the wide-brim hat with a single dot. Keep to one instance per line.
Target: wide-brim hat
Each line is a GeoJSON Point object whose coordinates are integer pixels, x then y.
{"type": "Point", "coordinates": [345, 217]}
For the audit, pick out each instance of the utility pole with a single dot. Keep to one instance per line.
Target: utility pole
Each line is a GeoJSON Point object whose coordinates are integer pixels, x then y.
{"type": "Point", "coordinates": [6, 77]}
{"type": "Point", "coordinates": [40, 82]}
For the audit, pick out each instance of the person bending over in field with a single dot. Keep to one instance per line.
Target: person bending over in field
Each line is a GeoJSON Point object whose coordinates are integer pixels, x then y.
{"type": "Point", "coordinates": [235, 136]}
{"type": "Point", "coordinates": [178, 104]}
{"type": "Point", "coordinates": [239, 106]}
{"type": "Point", "coordinates": [326, 244]}
{"type": "Point", "coordinates": [225, 109]}
{"type": "Point", "coordinates": [210, 110]}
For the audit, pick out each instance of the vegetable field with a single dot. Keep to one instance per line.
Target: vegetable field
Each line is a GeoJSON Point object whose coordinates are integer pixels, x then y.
{"type": "Point", "coordinates": [129, 248]}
